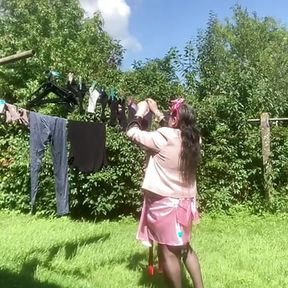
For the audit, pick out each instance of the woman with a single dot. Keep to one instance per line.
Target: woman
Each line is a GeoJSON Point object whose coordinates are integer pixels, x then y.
{"type": "Point", "coordinates": [169, 187]}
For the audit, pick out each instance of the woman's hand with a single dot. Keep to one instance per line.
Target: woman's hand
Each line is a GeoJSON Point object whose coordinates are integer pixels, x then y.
{"type": "Point", "coordinates": [152, 105]}
{"type": "Point", "coordinates": [154, 109]}
{"type": "Point", "coordinates": [142, 109]}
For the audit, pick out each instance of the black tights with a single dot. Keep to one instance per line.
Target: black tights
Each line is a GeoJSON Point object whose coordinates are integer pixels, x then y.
{"type": "Point", "coordinates": [170, 259]}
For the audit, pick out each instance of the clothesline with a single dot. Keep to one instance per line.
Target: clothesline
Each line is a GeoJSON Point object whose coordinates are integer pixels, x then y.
{"type": "Point", "coordinates": [120, 112]}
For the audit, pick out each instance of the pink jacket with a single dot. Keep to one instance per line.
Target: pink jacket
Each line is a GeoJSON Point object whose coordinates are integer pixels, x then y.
{"type": "Point", "coordinates": [162, 174]}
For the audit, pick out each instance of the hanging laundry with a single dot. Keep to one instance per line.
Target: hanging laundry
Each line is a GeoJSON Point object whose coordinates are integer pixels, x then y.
{"type": "Point", "coordinates": [88, 151]}
{"type": "Point", "coordinates": [132, 108]}
{"type": "Point", "coordinates": [121, 114]}
{"type": "Point", "coordinates": [2, 105]}
{"type": "Point", "coordinates": [15, 115]}
{"type": "Point", "coordinates": [93, 97]}
{"type": "Point", "coordinates": [51, 130]}
{"type": "Point", "coordinates": [113, 105]}
{"type": "Point", "coordinates": [64, 96]}
{"type": "Point", "coordinates": [117, 107]}
{"type": "Point", "coordinates": [78, 88]}
{"type": "Point", "coordinates": [103, 100]}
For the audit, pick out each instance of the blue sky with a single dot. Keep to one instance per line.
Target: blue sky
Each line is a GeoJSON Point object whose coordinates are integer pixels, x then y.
{"type": "Point", "coordinates": [149, 28]}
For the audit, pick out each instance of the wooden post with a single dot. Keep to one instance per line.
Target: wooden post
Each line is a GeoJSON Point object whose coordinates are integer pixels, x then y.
{"type": "Point", "coordinates": [16, 57]}
{"type": "Point", "coordinates": [266, 152]}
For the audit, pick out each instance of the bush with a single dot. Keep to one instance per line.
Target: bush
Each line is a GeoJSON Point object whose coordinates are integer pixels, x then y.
{"type": "Point", "coordinates": [112, 191]}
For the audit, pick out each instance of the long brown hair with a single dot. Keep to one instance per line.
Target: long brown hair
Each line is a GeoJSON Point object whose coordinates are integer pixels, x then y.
{"type": "Point", "coordinates": [190, 150]}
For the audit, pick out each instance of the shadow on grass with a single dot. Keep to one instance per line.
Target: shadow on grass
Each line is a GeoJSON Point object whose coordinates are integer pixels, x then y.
{"type": "Point", "coordinates": [71, 248]}
{"type": "Point", "coordinates": [139, 261]}
{"type": "Point", "coordinates": [25, 278]}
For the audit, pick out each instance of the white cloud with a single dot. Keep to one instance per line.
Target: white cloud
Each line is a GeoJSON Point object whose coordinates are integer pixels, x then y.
{"type": "Point", "coordinates": [116, 14]}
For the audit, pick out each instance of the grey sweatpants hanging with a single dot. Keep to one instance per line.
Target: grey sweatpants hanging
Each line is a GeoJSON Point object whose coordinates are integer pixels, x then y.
{"type": "Point", "coordinates": [43, 130]}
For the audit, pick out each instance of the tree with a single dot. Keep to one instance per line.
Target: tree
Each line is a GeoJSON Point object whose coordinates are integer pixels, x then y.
{"type": "Point", "coordinates": [242, 72]}
{"type": "Point", "coordinates": [155, 78]}
{"type": "Point", "coordinates": [63, 40]}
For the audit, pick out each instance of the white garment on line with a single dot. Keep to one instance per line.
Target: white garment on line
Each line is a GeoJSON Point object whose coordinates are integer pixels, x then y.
{"type": "Point", "coordinates": [93, 97]}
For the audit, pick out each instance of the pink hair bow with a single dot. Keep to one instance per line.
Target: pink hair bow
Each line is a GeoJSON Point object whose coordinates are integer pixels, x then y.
{"type": "Point", "coordinates": [175, 105]}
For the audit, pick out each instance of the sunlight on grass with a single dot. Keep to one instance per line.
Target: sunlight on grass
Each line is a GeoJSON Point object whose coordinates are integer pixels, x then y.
{"type": "Point", "coordinates": [239, 251]}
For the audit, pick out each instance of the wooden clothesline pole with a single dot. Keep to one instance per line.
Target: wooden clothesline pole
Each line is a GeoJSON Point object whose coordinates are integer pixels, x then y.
{"type": "Point", "coordinates": [269, 119]}
{"type": "Point", "coordinates": [16, 57]}
{"type": "Point", "coordinates": [266, 153]}
{"type": "Point", "coordinates": [264, 122]}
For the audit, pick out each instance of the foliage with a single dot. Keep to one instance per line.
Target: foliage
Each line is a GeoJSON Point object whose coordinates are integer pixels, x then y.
{"type": "Point", "coordinates": [240, 76]}
{"type": "Point", "coordinates": [64, 41]}
{"type": "Point", "coordinates": [154, 78]}
{"type": "Point", "coordinates": [14, 169]}
{"type": "Point", "coordinates": [234, 71]}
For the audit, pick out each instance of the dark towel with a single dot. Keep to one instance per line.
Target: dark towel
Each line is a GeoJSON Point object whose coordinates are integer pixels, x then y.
{"type": "Point", "coordinates": [87, 151]}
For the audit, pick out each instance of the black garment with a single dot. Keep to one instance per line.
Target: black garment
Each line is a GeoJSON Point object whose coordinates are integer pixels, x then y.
{"type": "Point", "coordinates": [131, 111]}
{"type": "Point", "coordinates": [113, 104]}
{"type": "Point", "coordinates": [79, 91]}
{"type": "Point", "coordinates": [87, 151]}
{"type": "Point", "coordinates": [103, 99]}
{"type": "Point", "coordinates": [121, 114]}
{"type": "Point", "coordinates": [64, 96]}
{"type": "Point", "coordinates": [117, 113]}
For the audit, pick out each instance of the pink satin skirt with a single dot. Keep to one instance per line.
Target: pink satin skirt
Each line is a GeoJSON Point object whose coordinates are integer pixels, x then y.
{"type": "Point", "coordinates": [166, 220]}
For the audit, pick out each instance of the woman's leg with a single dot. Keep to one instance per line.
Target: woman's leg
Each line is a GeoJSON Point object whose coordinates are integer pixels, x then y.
{"type": "Point", "coordinates": [160, 265]}
{"type": "Point", "coordinates": [192, 264]}
{"type": "Point", "coordinates": [171, 264]}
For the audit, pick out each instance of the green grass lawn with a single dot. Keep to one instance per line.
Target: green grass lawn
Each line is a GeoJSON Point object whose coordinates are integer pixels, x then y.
{"type": "Point", "coordinates": [239, 251]}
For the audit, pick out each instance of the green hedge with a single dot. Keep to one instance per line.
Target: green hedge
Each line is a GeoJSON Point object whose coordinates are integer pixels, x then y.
{"type": "Point", "coordinates": [114, 190]}
{"type": "Point", "coordinates": [230, 174]}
